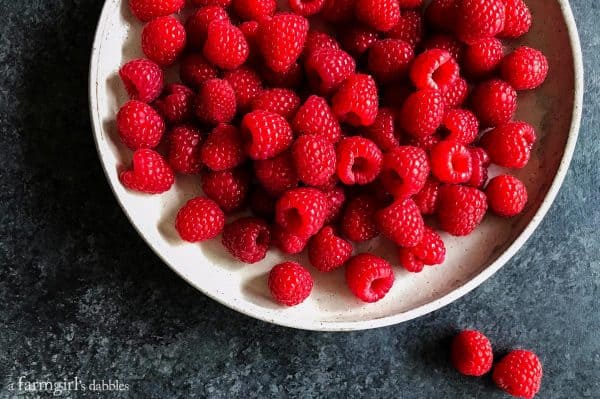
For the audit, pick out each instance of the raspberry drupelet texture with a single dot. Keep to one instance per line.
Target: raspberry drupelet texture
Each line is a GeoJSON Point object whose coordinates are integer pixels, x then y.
{"type": "Point", "coordinates": [139, 125]}
{"type": "Point", "coordinates": [434, 69]}
{"type": "Point", "coordinates": [525, 68]}
{"type": "Point", "coordinates": [494, 102]}
{"type": "Point", "coordinates": [479, 19]}
{"type": "Point", "coordinates": [481, 161]}
{"type": "Point", "coordinates": [215, 102]}
{"type": "Point", "coordinates": [456, 95]}
{"type": "Point", "coordinates": [247, 239]}
{"type": "Point", "coordinates": [517, 21]}
{"type": "Point", "coordinates": [337, 199]}
{"type": "Point", "coordinates": [277, 175]}
{"type": "Point", "coordinates": [228, 188]}
{"type": "Point", "coordinates": [401, 222]}
{"type": "Point", "coordinates": [302, 211]}
{"type": "Point", "coordinates": [316, 40]}
{"type": "Point", "coordinates": [426, 199]}
{"type": "Point", "coordinates": [358, 223]}
{"type": "Point", "coordinates": [471, 353]}
{"type": "Point", "coordinates": [287, 242]}
{"type": "Point", "coordinates": [200, 219]}
{"type": "Point", "coordinates": [358, 160]}
{"type": "Point", "coordinates": [381, 15]}
{"type": "Point", "coordinates": [266, 134]}
{"type": "Point", "coordinates": [281, 40]}
{"type": "Point", "coordinates": [356, 102]}
{"type": "Point", "coordinates": [163, 40]}
{"type": "Point", "coordinates": [146, 10]}
{"type": "Point", "coordinates": [149, 173]}
{"type": "Point", "coordinates": [510, 145]}
{"type": "Point", "coordinates": [383, 131]}
{"type": "Point", "coordinates": [314, 160]}
{"type": "Point", "coordinates": [461, 125]}
{"type": "Point", "coordinates": [519, 373]}
{"type": "Point", "coordinates": [369, 277]}
{"type": "Point", "coordinates": [306, 7]}
{"type": "Point", "coordinates": [327, 251]}
{"type": "Point", "coordinates": [254, 10]}
{"type": "Point", "coordinates": [226, 45]}
{"type": "Point", "coordinates": [290, 283]}
{"type": "Point", "coordinates": [196, 25]}
{"type": "Point", "coordinates": [195, 70]}
{"type": "Point", "coordinates": [429, 251]}
{"type": "Point", "coordinates": [184, 149]}
{"type": "Point", "coordinates": [284, 102]}
{"type": "Point", "coordinates": [482, 57]}
{"type": "Point", "coordinates": [223, 148]}
{"type": "Point", "coordinates": [143, 80]}
{"type": "Point", "coordinates": [422, 113]}
{"type": "Point", "coordinates": [460, 209]}
{"type": "Point", "coordinates": [405, 170]}
{"type": "Point", "coordinates": [246, 85]}
{"type": "Point", "coordinates": [315, 118]}
{"type": "Point", "coordinates": [327, 69]}
{"type": "Point", "coordinates": [507, 195]}
{"type": "Point", "coordinates": [389, 60]}
{"type": "Point", "coordinates": [176, 105]}
{"type": "Point", "coordinates": [446, 42]}
{"type": "Point", "coordinates": [451, 162]}
{"type": "Point", "coordinates": [358, 39]}
{"type": "Point", "coordinates": [409, 28]}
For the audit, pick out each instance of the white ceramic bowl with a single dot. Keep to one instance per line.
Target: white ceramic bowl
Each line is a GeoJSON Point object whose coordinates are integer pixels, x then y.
{"type": "Point", "coordinates": [554, 109]}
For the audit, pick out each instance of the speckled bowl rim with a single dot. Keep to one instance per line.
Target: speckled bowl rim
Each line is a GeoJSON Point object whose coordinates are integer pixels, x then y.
{"type": "Point", "coordinates": [420, 310]}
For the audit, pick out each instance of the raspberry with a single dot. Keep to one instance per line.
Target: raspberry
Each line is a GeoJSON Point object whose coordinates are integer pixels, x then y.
{"type": "Point", "coordinates": [250, 31]}
{"type": "Point", "coordinates": [290, 283]}
{"type": "Point", "coordinates": [215, 102]}
{"type": "Point", "coordinates": [284, 102]}
{"type": "Point", "coordinates": [389, 60]}
{"type": "Point", "coordinates": [358, 222]}
{"type": "Point", "coordinates": [426, 142]}
{"type": "Point", "coordinates": [184, 149]}
{"type": "Point", "coordinates": [510, 145]}
{"type": "Point", "coordinates": [441, 14]}
{"type": "Point", "coordinates": [228, 188]}
{"type": "Point", "coordinates": [226, 45]}
{"type": "Point", "coordinates": [410, 4]}
{"type": "Point", "coordinates": [358, 160]}
{"type": "Point", "coordinates": [460, 209]}
{"type": "Point", "coordinates": [409, 28]}
{"type": "Point", "coordinates": [525, 68]}
{"type": "Point", "coordinates": [404, 171]}
{"type": "Point", "coordinates": [383, 132]}
{"type": "Point", "coordinates": [519, 373]}
{"type": "Point", "coordinates": [481, 162]}
{"type": "Point", "coordinates": [302, 211]}
{"type": "Point", "coordinates": [338, 10]}
{"type": "Point", "coordinates": [287, 242]}
{"type": "Point", "coordinates": [276, 175]}
{"type": "Point", "coordinates": [337, 198]}
{"type": "Point", "coordinates": [518, 19]}
{"type": "Point", "coordinates": [291, 78]}
{"type": "Point", "coordinates": [315, 118]}
{"type": "Point", "coordinates": [401, 222]}
{"type": "Point", "coordinates": [200, 219]}
{"type": "Point", "coordinates": [314, 159]}
{"type": "Point", "coordinates": [506, 195]}
{"type": "Point", "coordinates": [163, 39]}
{"type": "Point", "coordinates": [457, 94]}
{"type": "Point", "coordinates": [327, 251]}
{"type": "Point", "coordinates": [358, 39]}
{"type": "Point", "coordinates": [266, 134]}
{"type": "Point", "coordinates": [483, 57]}
{"type": "Point", "coordinates": [195, 70]}
{"type": "Point", "coordinates": [380, 15]}
{"type": "Point", "coordinates": [369, 277]}
{"type": "Point", "coordinates": [306, 8]}
{"type": "Point", "coordinates": [247, 239]}
{"type": "Point", "coordinates": [149, 173]}
{"type": "Point", "coordinates": [479, 19]}
{"type": "Point", "coordinates": [176, 103]}
{"type": "Point", "coordinates": [139, 125]}
{"type": "Point", "coordinates": [327, 69]}
{"type": "Point", "coordinates": [494, 102]}
{"type": "Point", "coordinates": [448, 43]}
{"type": "Point", "coordinates": [246, 84]}
{"type": "Point", "coordinates": [461, 125]}
{"type": "Point", "coordinates": [262, 204]}
{"type": "Point", "coordinates": [143, 80]}
{"type": "Point", "coordinates": [426, 199]}
{"type": "Point", "coordinates": [196, 25]}
{"type": "Point", "coordinates": [451, 162]}
{"type": "Point", "coordinates": [145, 10]}
{"type": "Point", "coordinates": [207, 3]}
{"type": "Point", "coordinates": [471, 353]}
{"type": "Point", "coordinates": [254, 9]}
{"type": "Point", "coordinates": [422, 112]}
{"type": "Point", "coordinates": [434, 69]}
{"type": "Point", "coordinates": [316, 41]}
{"type": "Point", "coordinates": [356, 101]}
{"type": "Point", "coordinates": [223, 148]}
{"type": "Point", "coordinates": [429, 251]}
{"type": "Point", "coordinates": [281, 40]}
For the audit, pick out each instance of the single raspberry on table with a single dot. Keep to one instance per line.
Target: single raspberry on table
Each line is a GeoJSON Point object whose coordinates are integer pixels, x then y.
{"type": "Point", "coordinates": [358, 160]}
{"type": "Point", "coordinates": [316, 118]}
{"type": "Point", "coordinates": [278, 174]}
{"type": "Point", "coordinates": [404, 171]}
{"type": "Point", "coordinates": [383, 131]}
{"type": "Point", "coordinates": [519, 373]}
{"type": "Point", "coordinates": [337, 199]}
{"type": "Point", "coordinates": [525, 68]}
{"type": "Point", "coordinates": [369, 277]}
{"type": "Point", "coordinates": [247, 239]}
{"type": "Point", "coordinates": [358, 39]}
{"type": "Point", "coordinates": [518, 19]}
{"type": "Point", "coordinates": [215, 102]}
{"type": "Point", "coordinates": [316, 40]}
{"type": "Point", "coordinates": [228, 188]}
{"type": "Point", "coordinates": [246, 84]}
{"type": "Point", "coordinates": [441, 14]}
{"type": "Point", "coordinates": [146, 10]}
{"type": "Point", "coordinates": [327, 69]}
{"type": "Point", "coordinates": [302, 211]}
{"type": "Point", "coordinates": [327, 251]}
{"type": "Point", "coordinates": [287, 242]}
{"type": "Point", "coordinates": [314, 159]}
{"type": "Point", "coordinates": [139, 125]}
{"type": "Point", "coordinates": [266, 134]}
{"type": "Point", "coordinates": [482, 57]}
{"type": "Point", "coordinates": [184, 149]}
{"type": "Point", "coordinates": [401, 222]}
{"type": "Point", "coordinates": [194, 70]}
{"type": "Point", "coordinates": [471, 353]}
{"type": "Point", "coordinates": [143, 80]}
{"type": "Point", "coordinates": [149, 173]}
{"type": "Point", "coordinates": [434, 69]}
{"type": "Point", "coordinates": [494, 102]}
{"type": "Point", "coordinates": [451, 162]}
{"type": "Point", "coordinates": [358, 223]}
{"type": "Point", "coordinates": [176, 103]}
{"type": "Point", "coordinates": [290, 283]}
{"type": "Point", "coordinates": [479, 19]}
{"type": "Point", "coordinates": [200, 219]}
{"type": "Point", "coordinates": [356, 101]}
{"type": "Point", "coordinates": [281, 40]}
{"type": "Point", "coordinates": [196, 25]}
{"type": "Point", "coordinates": [461, 125]}
{"type": "Point", "coordinates": [446, 42]}
{"type": "Point", "coordinates": [510, 145]}
{"type": "Point", "coordinates": [429, 251]}
{"type": "Point", "coordinates": [456, 95]}
{"type": "Point", "coordinates": [389, 60]}
{"type": "Point", "coordinates": [284, 102]}
{"type": "Point", "coordinates": [507, 195]}
{"type": "Point", "coordinates": [422, 113]}
{"type": "Point", "coordinates": [380, 15]}
{"type": "Point", "coordinates": [223, 148]}
{"type": "Point", "coordinates": [426, 199]}
{"type": "Point", "coordinates": [481, 161]}
{"type": "Point", "coordinates": [163, 40]}
{"type": "Point", "coordinates": [460, 209]}
{"type": "Point", "coordinates": [337, 11]}
{"type": "Point", "coordinates": [226, 45]}
{"type": "Point", "coordinates": [306, 7]}
{"type": "Point", "coordinates": [409, 28]}
{"type": "Point", "coordinates": [254, 10]}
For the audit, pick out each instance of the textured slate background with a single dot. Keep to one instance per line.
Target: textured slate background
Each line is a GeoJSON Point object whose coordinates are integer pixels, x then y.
{"type": "Point", "coordinates": [82, 295]}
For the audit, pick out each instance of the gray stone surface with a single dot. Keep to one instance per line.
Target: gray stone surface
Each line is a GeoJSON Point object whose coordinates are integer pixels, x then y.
{"type": "Point", "coordinates": [82, 295]}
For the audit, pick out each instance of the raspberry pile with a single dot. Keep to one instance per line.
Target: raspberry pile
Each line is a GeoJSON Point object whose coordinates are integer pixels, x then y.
{"type": "Point", "coordinates": [333, 123]}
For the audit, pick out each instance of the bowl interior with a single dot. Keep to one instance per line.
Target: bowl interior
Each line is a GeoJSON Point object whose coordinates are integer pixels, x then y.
{"type": "Point", "coordinates": [469, 261]}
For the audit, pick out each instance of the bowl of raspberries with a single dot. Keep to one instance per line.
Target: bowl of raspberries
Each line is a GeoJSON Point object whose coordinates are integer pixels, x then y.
{"type": "Point", "coordinates": [336, 164]}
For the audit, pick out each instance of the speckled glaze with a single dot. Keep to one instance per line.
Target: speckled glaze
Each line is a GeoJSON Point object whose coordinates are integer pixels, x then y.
{"type": "Point", "coordinates": [554, 109]}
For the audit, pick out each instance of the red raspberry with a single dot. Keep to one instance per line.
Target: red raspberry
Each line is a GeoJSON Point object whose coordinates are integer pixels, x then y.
{"type": "Point", "coordinates": [139, 125]}
{"type": "Point", "coordinates": [389, 60]}
{"type": "Point", "coordinates": [506, 195]}
{"type": "Point", "coordinates": [434, 69]}
{"type": "Point", "coordinates": [206, 3]}
{"type": "Point", "coordinates": [247, 239]}
{"type": "Point", "coordinates": [338, 10]}
{"type": "Point", "coordinates": [262, 204]}
{"type": "Point", "coordinates": [314, 159]}
{"type": "Point", "coordinates": [316, 41]}
{"type": "Point", "coordinates": [380, 15]}
{"type": "Point", "coordinates": [195, 70]}
{"type": "Point", "coordinates": [422, 112]}
{"type": "Point", "coordinates": [226, 45]}
{"type": "Point", "coordinates": [401, 222]}
{"type": "Point", "coordinates": [481, 161]}
{"type": "Point", "coordinates": [457, 94]}
{"type": "Point", "coordinates": [471, 353]}
{"type": "Point", "coordinates": [441, 14]}
{"type": "Point", "coordinates": [358, 223]}
{"type": "Point", "coordinates": [145, 10]}
{"type": "Point", "coordinates": [290, 283]}
{"type": "Point", "coordinates": [337, 198]}
{"type": "Point", "coordinates": [410, 4]}
{"type": "Point", "coordinates": [451, 162]}
{"type": "Point", "coordinates": [519, 373]}
{"type": "Point", "coordinates": [358, 160]}
{"type": "Point", "coordinates": [518, 19]}
{"type": "Point", "coordinates": [494, 102]}
{"type": "Point", "coordinates": [184, 149]}
{"type": "Point", "coordinates": [483, 57]}
{"type": "Point", "coordinates": [228, 188]}
{"type": "Point", "coordinates": [510, 145]}
{"type": "Point", "coordinates": [306, 7]}
{"type": "Point", "coordinates": [200, 219]}
{"type": "Point", "coordinates": [327, 69]}
{"type": "Point", "coordinates": [429, 251]}
{"type": "Point", "coordinates": [281, 40]}
{"type": "Point", "coordinates": [525, 68]}
{"type": "Point", "coordinates": [327, 251]}
{"type": "Point", "coordinates": [284, 102]}
{"type": "Point", "coordinates": [215, 102]}
{"type": "Point", "coordinates": [425, 143]}
{"type": "Point", "coordinates": [383, 132]}
{"type": "Point", "coordinates": [461, 125]}
{"type": "Point", "coordinates": [196, 25]}
{"type": "Point", "coordinates": [163, 39]}
{"type": "Point", "coordinates": [287, 242]}
{"type": "Point", "coordinates": [460, 209]}
{"type": "Point", "coordinates": [254, 9]}
{"type": "Point", "coordinates": [291, 78]}
{"type": "Point", "coordinates": [315, 118]}
{"type": "Point", "coordinates": [358, 39]}
{"type": "Point", "coordinates": [409, 29]}
{"type": "Point", "coordinates": [302, 211]}
{"type": "Point", "coordinates": [478, 19]}
{"type": "Point", "coordinates": [369, 277]}
{"type": "Point", "coordinates": [426, 199]}
{"type": "Point", "coordinates": [277, 175]}
{"type": "Point", "coordinates": [250, 31]}
{"type": "Point", "coordinates": [149, 173]}
{"type": "Point", "coordinates": [404, 171]}
{"type": "Point", "coordinates": [266, 134]}
{"type": "Point", "coordinates": [176, 103]}
{"type": "Point", "coordinates": [448, 43]}
{"type": "Point", "coordinates": [329, 185]}
{"type": "Point", "coordinates": [356, 102]}
{"type": "Point", "coordinates": [246, 84]}
{"type": "Point", "coordinates": [223, 148]}
{"type": "Point", "coordinates": [143, 80]}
